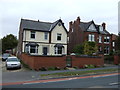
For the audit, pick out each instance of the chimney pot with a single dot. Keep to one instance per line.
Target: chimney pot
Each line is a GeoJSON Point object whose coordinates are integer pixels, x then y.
{"type": "Point", "coordinates": [78, 20]}
{"type": "Point", "coordinates": [104, 25]}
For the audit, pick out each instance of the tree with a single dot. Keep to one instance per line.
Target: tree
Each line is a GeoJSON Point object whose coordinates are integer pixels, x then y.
{"type": "Point", "coordinates": [79, 49]}
{"type": "Point", "coordinates": [9, 42]}
{"type": "Point", "coordinates": [90, 48]}
{"type": "Point", "coordinates": [118, 44]}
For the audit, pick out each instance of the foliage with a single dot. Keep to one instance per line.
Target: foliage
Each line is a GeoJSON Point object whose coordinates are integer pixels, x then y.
{"type": "Point", "coordinates": [9, 42]}
{"type": "Point", "coordinates": [118, 45]}
{"type": "Point", "coordinates": [89, 66]}
{"type": "Point", "coordinates": [43, 69]}
{"type": "Point", "coordinates": [90, 48]}
{"type": "Point", "coordinates": [51, 68]}
{"type": "Point", "coordinates": [79, 49]}
{"type": "Point", "coordinates": [109, 59]}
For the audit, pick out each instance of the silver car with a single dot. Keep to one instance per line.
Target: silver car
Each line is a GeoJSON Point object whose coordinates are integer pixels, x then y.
{"type": "Point", "coordinates": [13, 62]}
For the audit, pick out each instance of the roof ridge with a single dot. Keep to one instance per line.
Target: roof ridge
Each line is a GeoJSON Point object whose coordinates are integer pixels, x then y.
{"type": "Point", "coordinates": [37, 21]}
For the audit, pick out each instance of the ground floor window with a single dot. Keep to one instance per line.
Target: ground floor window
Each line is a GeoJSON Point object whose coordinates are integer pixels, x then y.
{"type": "Point", "coordinates": [58, 50]}
{"type": "Point", "coordinates": [106, 50]}
{"type": "Point", "coordinates": [31, 49]}
{"type": "Point", "coordinates": [100, 48]}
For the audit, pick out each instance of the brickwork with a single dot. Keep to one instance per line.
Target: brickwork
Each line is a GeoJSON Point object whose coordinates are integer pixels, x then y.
{"type": "Point", "coordinates": [116, 59]}
{"type": "Point", "coordinates": [36, 62]}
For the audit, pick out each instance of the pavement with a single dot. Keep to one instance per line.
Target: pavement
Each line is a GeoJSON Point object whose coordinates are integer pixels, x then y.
{"type": "Point", "coordinates": [35, 75]}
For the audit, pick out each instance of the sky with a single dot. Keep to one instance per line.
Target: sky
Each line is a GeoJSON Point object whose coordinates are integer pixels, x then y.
{"type": "Point", "coordinates": [51, 10]}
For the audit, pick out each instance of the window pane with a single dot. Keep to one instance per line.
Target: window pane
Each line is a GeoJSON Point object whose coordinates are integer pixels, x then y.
{"type": "Point", "coordinates": [58, 36]}
{"type": "Point", "coordinates": [32, 49]}
{"type": "Point", "coordinates": [89, 37]}
{"type": "Point", "coordinates": [32, 34]}
{"type": "Point", "coordinates": [59, 50]}
{"type": "Point", "coordinates": [93, 38]}
{"type": "Point", "coordinates": [45, 35]}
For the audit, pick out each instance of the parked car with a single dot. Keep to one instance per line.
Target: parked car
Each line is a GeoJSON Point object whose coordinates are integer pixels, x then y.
{"type": "Point", "coordinates": [5, 56]}
{"type": "Point", "coordinates": [13, 62]}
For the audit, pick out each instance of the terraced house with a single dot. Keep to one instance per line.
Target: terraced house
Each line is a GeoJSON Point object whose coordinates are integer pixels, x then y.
{"type": "Point", "coordinates": [89, 31]}
{"type": "Point", "coordinates": [42, 38]}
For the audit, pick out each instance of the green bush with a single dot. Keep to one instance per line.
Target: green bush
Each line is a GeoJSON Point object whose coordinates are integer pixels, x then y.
{"type": "Point", "coordinates": [57, 68]}
{"type": "Point", "coordinates": [51, 68]}
{"type": "Point", "coordinates": [86, 66]}
{"type": "Point", "coordinates": [90, 66]}
{"type": "Point", "coordinates": [43, 69]}
{"type": "Point", "coordinates": [76, 67]}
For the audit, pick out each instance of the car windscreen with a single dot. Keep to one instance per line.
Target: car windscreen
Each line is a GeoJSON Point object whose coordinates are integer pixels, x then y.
{"type": "Point", "coordinates": [12, 60]}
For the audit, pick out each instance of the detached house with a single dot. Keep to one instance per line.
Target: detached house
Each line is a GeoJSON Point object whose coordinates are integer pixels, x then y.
{"type": "Point", "coordinates": [42, 38]}
{"type": "Point", "coordinates": [89, 31]}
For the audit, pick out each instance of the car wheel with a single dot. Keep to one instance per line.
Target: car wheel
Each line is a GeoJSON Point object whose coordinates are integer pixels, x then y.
{"type": "Point", "coordinates": [20, 67]}
{"type": "Point", "coordinates": [7, 68]}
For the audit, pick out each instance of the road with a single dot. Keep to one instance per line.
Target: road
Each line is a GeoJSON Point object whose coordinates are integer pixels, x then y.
{"type": "Point", "coordinates": [105, 81]}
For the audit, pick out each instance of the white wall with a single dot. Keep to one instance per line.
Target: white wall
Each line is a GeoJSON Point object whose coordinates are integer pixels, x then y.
{"type": "Point", "coordinates": [59, 29]}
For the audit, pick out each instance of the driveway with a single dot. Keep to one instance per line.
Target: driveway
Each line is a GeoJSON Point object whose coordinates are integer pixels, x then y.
{"type": "Point", "coordinates": [11, 70]}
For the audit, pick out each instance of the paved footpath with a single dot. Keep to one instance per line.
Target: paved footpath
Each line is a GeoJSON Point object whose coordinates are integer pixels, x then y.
{"type": "Point", "coordinates": [35, 75]}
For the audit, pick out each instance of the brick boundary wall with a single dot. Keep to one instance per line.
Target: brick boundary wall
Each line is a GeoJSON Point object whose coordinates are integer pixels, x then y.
{"type": "Point", "coordinates": [36, 61]}
{"type": "Point", "coordinates": [116, 59]}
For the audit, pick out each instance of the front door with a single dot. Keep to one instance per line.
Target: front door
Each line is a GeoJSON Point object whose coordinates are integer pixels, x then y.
{"type": "Point", "coordinates": [45, 50]}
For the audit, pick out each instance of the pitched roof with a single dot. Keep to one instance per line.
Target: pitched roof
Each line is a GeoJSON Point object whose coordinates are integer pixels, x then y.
{"type": "Point", "coordinates": [85, 25]}
{"type": "Point", "coordinates": [38, 25]}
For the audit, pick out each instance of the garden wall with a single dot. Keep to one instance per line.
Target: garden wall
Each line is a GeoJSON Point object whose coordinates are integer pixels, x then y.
{"type": "Point", "coordinates": [36, 61]}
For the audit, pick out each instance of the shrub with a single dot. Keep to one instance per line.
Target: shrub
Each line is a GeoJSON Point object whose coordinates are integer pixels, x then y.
{"type": "Point", "coordinates": [75, 67]}
{"type": "Point", "coordinates": [43, 69]}
{"type": "Point", "coordinates": [51, 68]}
{"type": "Point", "coordinates": [81, 66]}
{"type": "Point", "coordinates": [91, 66]}
{"type": "Point", "coordinates": [57, 68]}
{"type": "Point", "coordinates": [86, 66]}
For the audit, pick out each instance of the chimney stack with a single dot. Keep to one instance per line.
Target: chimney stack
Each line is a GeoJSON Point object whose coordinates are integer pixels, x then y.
{"type": "Point", "coordinates": [70, 26]}
{"type": "Point", "coordinates": [78, 20]}
{"type": "Point", "coordinates": [104, 25]}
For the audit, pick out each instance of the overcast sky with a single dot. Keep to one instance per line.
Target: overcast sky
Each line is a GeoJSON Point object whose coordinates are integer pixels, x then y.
{"type": "Point", "coordinates": [51, 10]}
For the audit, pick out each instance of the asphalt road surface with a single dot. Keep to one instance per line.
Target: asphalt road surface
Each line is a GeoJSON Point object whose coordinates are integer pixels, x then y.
{"type": "Point", "coordinates": [110, 81]}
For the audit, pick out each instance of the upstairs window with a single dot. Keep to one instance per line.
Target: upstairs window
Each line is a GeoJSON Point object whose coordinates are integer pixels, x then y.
{"type": "Point", "coordinates": [106, 39]}
{"type": "Point", "coordinates": [32, 34]}
{"type": "Point", "coordinates": [91, 37]}
{"type": "Point", "coordinates": [100, 28]}
{"type": "Point", "coordinates": [100, 39]}
{"type": "Point", "coordinates": [46, 35]}
{"type": "Point", "coordinates": [59, 36]}
{"type": "Point", "coordinates": [113, 44]}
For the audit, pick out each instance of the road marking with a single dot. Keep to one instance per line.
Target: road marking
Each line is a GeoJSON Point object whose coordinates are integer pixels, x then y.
{"type": "Point", "coordinates": [55, 80]}
{"type": "Point", "coordinates": [115, 83]}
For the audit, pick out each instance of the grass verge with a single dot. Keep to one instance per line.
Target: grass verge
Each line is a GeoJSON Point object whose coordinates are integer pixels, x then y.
{"type": "Point", "coordinates": [77, 73]}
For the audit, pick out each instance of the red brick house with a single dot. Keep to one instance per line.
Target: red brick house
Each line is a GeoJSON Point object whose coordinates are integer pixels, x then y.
{"type": "Point", "coordinates": [114, 37]}
{"type": "Point", "coordinates": [89, 31]}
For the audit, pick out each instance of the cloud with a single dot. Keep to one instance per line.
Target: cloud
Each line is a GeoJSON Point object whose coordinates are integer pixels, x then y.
{"type": "Point", "coordinates": [51, 10]}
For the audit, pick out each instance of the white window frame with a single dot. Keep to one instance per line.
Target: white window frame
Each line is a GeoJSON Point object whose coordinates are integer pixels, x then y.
{"type": "Point", "coordinates": [56, 50]}
{"type": "Point", "coordinates": [32, 33]}
{"type": "Point", "coordinates": [91, 37]}
{"type": "Point", "coordinates": [106, 39]}
{"type": "Point", "coordinates": [100, 39]}
{"type": "Point", "coordinates": [59, 35]}
{"type": "Point", "coordinates": [46, 35]}
{"type": "Point", "coordinates": [113, 43]}
{"type": "Point", "coordinates": [106, 50]}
